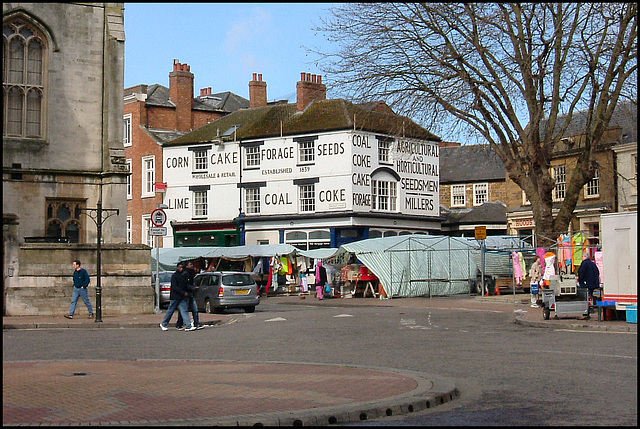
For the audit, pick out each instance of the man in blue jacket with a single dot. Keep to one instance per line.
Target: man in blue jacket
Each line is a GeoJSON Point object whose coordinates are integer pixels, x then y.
{"type": "Point", "coordinates": [588, 275]}
{"type": "Point", "coordinates": [80, 283]}
{"type": "Point", "coordinates": [177, 300]}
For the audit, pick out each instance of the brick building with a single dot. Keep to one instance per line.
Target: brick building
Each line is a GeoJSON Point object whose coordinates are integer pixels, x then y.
{"type": "Point", "coordinates": [472, 190]}
{"type": "Point", "coordinates": [598, 196]}
{"type": "Point", "coordinates": [154, 114]}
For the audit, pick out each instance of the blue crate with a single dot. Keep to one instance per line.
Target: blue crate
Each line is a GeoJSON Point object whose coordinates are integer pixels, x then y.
{"type": "Point", "coordinates": [632, 314]}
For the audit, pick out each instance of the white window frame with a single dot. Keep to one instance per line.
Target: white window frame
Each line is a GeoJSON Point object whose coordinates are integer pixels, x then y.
{"type": "Point", "coordinates": [129, 229]}
{"type": "Point", "coordinates": [252, 200]}
{"type": "Point", "coordinates": [592, 187]}
{"type": "Point", "coordinates": [384, 151]}
{"type": "Point", "coordinates": [559, 172]}
{"type": "Point", "coordinates": [307, 198]}
{"type": "Point", "coordinates": [200, 204]}
{"type": "Point", "coordinates": [384, 195]}
{"type": "Point", "coordinates": [307, 151]}
{"type": "Point", "coordinates": [525, 199]}
{"type": "Point", "coordinates": [200, 162]}
{"type": "Point", "coordinates": [129, 163]}
{"type": "Point", "coordinates": [146, 224]}
{"type": "Point", "coordinates": [148, 176]}
{"type": "Point", "coordinates": [455, 192]}
{"type": "Point", "coordinates": [126, 136]}
{"type": "Point", "coordinates": [478, 191]}
{"type": "Point", "coordinates": [252, 156]}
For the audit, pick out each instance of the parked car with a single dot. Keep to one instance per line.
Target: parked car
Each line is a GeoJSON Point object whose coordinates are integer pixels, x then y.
{"type": "Point", "coordinates": [165, 286]}
{"type": "Point", "coordinates": [220, 290]}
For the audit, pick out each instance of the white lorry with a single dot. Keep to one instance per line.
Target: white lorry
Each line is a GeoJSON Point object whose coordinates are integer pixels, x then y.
{"type": "Point", "coordinates": [619, 232]}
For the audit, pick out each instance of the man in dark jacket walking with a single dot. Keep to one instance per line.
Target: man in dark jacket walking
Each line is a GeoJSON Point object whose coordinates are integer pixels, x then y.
{"type": "Point", "coordinates": [189, 274]}
{"type": "Point", "coordinates": [177, 299]}
{"type": "Point", "coordinates": [588, 275]}
{"type": "Point", "coordinates": [80, 284]}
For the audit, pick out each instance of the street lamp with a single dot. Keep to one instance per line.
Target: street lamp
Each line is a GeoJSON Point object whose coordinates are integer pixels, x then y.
{"type": "Point", "coordinates": [99, 215]}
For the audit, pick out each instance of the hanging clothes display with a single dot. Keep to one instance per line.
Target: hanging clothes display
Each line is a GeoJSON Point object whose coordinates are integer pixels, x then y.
{"type": "Point", "coordinates": [598, 260]}
{"type": "Point", "coordinates": [549, 267]}
{"type": "Point", "coordinates": [562, 266]}
{"type": "Point", "coordinates": [578, 241]}
{"type": "Point", "coordinates": [518, 272]}
{"type": "Point", "coordinates": [541, 251]}
{"type": "Point", "coordinates": [567, 253]}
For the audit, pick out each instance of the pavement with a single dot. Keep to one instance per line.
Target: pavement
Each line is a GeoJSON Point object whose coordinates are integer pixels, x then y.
{"type": "Point", "coordinates": [278, 394]}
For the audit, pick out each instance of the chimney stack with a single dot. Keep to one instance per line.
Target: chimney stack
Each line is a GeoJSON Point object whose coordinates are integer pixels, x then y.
{"type": "Point", "coordinates": [310, 88]}
{"type": "Point", "coordinates": [181, 94]}
{"type": "Point", "coordinates": [257, 91]}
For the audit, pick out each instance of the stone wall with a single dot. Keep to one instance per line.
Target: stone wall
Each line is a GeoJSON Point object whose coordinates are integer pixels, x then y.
{"type": "Point", "coordinates": [44, 282]}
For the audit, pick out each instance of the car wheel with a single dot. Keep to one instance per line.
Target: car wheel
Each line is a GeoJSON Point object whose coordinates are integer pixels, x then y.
{"type": "Point", "coordinates": [207, 306]}
{"type": "Point", "coordinates": [250, 309]}
{"type": "Point", "coordinates": [546, 313]}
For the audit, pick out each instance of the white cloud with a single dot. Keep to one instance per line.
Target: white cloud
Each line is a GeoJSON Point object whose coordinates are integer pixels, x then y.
{"type": "Point", "coordinates": [251, 33]}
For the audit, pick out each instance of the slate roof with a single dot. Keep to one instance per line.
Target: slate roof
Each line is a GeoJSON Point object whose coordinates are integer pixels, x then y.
{"type": "Point", "coordinates": [494, 212]}
{"type": "Point", "coordinates": [227, 102]}
{"type": "Point", "coordinates": [163, 136]}
{"type": "Point", "coordinates": [625, 116]}
{"type": "Point", "coordinates": [470, 163]}
{"type": "Point", "coordinates": [320, 116]}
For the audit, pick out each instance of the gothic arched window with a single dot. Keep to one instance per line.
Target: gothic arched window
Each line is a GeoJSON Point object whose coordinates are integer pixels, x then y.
{"type": "Point", "coordinates": [23, 79]}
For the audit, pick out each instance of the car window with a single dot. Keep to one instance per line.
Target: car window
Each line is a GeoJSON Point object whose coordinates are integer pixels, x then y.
{"type": "Point", "coordinates": [237, 280]}
{"type": "Point", "coordinates": [165, 277]}
{"type": "Point", "coordinates": [214, 280]}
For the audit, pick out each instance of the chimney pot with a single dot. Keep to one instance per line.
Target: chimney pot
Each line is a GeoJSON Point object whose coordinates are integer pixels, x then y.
{"type": "Point", "coordinates": [320, 78]}
{"type": "Point", "coordinates": [209, 90]}
{"type": "Point", "coordinates": [202, 91]}
{"type": "Point", "coordinates": [255, 76]}
{"type": "Point", "coordinates": [260, 77]}
{"type": "Point", "coordinates": [302, 76]}
{"type": "Point", "coordinates": [308, 77]}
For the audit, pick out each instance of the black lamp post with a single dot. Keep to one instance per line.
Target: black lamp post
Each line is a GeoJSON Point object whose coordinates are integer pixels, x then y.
{"type": "Point", "coordinates": [99, 215]}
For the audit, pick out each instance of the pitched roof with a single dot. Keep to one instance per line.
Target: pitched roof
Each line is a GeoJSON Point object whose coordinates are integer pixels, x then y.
{"type": "Point", "coordinates": [320, 116]}
{"type": "Point", "coordinates": [227, 101]}
{"type": "Point", "coordinates": [625, 117]}
{"type": "Point", "coordinates": [470, 163]}
{"type": "Point", "coordinates": [492, 212]}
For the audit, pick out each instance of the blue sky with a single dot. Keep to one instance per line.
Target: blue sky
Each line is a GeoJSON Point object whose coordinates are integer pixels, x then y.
{"type": "Point", "coordinates": [224, 43]}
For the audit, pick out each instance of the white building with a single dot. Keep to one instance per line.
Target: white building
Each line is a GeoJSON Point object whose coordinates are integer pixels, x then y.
{"type": "Point", "coordinates": [315, 173]}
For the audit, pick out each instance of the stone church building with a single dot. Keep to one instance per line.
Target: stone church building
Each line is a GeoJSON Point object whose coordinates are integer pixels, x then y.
{"type": "Point", "coordinates": [63, 158]}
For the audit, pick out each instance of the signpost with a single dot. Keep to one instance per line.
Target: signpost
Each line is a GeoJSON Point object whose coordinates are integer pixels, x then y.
{"type": "Point", "coordinates": [481, 234]}
{"type": "Point", "coordinates": [158, 218]}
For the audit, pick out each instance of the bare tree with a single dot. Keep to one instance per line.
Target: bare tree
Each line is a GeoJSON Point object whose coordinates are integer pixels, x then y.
{"type": "Point", "coordinates": [514, 74]}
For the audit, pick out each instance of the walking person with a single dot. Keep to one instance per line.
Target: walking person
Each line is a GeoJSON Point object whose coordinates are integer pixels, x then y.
{"type": "Point", "coordinates": [80, 284]}
{"type": "Point", "coordinates": [189, 274]}
{"type": "Point", "coordinates": [321, 279]}
{"type": "Point", "coordinates": [536, 275]}
{"type": "Point", "coordinates": [177, 299]}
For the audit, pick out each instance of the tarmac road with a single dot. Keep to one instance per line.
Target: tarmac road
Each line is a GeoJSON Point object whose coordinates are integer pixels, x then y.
{"type": "Point", "coordinates": [505, 373]}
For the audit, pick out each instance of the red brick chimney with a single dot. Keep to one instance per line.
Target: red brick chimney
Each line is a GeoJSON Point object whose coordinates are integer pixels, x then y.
{"type": "Point", "coordinates": [257, 92]}
{"type": "Point", "coordinates": [181, 94]}
{"type": "Point", "coordinates": [310, 88]}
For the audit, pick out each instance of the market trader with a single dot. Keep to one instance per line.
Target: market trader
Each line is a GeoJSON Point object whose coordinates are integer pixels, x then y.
{"type": "Point", "coordinates": [588, 275]}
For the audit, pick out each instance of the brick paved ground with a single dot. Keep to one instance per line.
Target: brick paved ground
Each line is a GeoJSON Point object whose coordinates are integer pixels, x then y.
{"type": "Point", "coordinates": [144, 392]}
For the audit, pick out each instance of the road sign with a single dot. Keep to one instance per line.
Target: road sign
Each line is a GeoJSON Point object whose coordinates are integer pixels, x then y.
{"type": "Point", "coordinates": [481, 232]}
{"type": "Point", "coordinates": [158, 230]}
{"type": "Point", "coordinates": [158, 217]}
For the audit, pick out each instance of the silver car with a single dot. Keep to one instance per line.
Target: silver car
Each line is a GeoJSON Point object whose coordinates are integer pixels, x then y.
{"type": "Point", "coordinates": [219, 290]}
{"type": "Point", "coordinates": [165, 286]}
